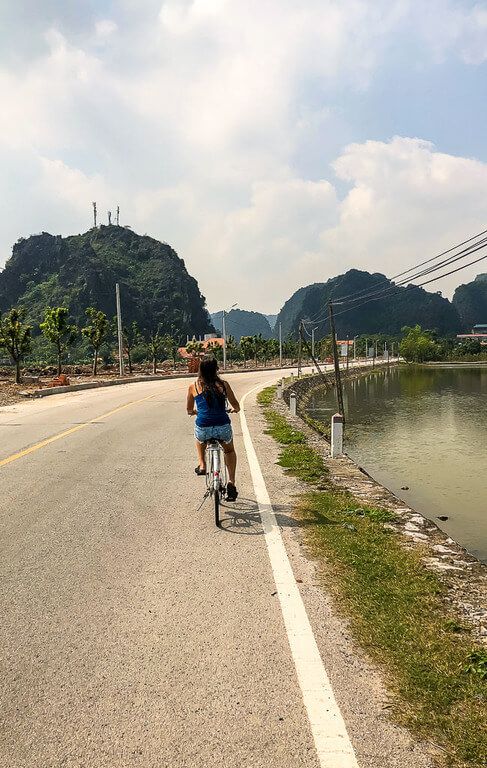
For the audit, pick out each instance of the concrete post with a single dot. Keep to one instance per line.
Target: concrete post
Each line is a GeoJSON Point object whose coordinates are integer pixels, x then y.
{"type": "Point", "coordinates": [336, 435]}
{"type": "Point", "coordinates": [279, 390]}
{"type": "Point", "coordinates": [292, 404]}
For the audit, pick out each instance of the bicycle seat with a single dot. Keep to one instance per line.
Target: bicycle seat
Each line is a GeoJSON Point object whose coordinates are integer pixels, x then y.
{"type": "Point", "coordinates": [212, 441]}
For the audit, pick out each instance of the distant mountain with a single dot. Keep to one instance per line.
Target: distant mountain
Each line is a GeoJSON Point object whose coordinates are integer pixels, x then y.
{"type": "Point", "coordinates": [81, 271]}
{"type": "Point", "coordinates": [405, 305]}
{"type": "Point", "coordinates": [272, 320]}
{"type": "Point", "coordinates": [470, 300]}
{"type": "Point", "coordinates": [240, 322]}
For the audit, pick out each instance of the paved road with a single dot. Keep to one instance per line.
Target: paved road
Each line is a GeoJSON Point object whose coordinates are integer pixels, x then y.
{"type": "Point", "coordinates": [133, 632]}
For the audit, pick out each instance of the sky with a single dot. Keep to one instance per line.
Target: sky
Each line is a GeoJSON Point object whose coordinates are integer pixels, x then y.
{"type": "Point", "coordinates": [272, 143]}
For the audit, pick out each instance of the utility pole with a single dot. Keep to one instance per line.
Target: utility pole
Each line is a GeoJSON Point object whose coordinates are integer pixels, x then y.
{"type": "Point", "coordinates": [312, 342]}
{"type": "Point", "coordinates": [119, 328]}
{"type": "Point", "coordinates": [366, 349]}
{"type": "Point", "coordinates": [224, 341]}
{"type": "Point", "coordinates": [118, 215]}
{"type": "Point", "coordinates": [338, 376]}
{"type": "Point", "coordinates": [94, 215]}
{"type": "Point", "coordinates": [300, 347]}
{"type": "Point", "coordinates": [280, 345]}
{"type": "Point", "coordinates": [315, 361]}
{"type": "Point", "coordinates": [348, 355]}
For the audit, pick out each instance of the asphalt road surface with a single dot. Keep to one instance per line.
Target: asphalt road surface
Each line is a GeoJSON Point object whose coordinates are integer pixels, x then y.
{"type": "Point", "coordinates": [133, 632]}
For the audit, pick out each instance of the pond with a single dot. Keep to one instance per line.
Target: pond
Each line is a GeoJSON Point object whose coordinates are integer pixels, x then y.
{"type": "Point", "coordinates": [424, 428]}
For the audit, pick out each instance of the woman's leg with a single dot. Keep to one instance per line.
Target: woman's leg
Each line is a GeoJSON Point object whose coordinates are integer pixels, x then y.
{"type": "Point", "coordinates": [200, 448]}
{"type": "Point", "coordinates": [230, 460]}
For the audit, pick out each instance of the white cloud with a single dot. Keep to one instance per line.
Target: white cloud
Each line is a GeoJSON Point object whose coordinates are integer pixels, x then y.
{"type": "Point", "coordinates": [190, 114]}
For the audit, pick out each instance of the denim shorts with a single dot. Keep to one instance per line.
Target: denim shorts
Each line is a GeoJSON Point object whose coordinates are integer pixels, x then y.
{"type": "Point", "coordinates": [222, 432]}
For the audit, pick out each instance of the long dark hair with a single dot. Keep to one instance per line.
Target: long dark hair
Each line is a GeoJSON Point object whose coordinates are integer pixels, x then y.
{"type": "Point", "coordinates": [213, 387]}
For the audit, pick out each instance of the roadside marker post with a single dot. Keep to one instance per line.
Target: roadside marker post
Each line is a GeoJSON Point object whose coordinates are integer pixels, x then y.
{"type": "Point", "coordinates": [293, 404]}
{"type": "Point", "coordinates": [279, 390]}
{"type": "Point", "coordinates": [336, 435]}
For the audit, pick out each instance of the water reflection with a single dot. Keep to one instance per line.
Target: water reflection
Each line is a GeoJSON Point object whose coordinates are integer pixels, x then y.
{"type": "Point", "coordinates": [424, 428]}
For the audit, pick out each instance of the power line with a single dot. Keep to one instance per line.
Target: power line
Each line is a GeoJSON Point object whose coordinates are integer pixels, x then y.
{"type": "Point", "coordinates": [446, 262]}
{"type": "Point", "coordinates": [395, 289]}
{"type": "Point", "coordinates": [390, 289]}
{"type": "Point", "coordinates": [421, 264]}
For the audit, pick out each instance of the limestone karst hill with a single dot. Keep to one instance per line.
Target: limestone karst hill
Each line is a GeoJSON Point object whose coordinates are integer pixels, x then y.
{"type": "Point", "coordinates": [406, 305]}
{"type": "Point", "coordinates": [81, 271]}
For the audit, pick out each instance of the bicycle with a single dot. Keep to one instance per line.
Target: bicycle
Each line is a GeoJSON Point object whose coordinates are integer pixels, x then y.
{"type": "Point", "coordinates": [216, 475]}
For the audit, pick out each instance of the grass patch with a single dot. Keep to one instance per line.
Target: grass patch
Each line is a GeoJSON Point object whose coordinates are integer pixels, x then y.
{"type": "Point", "coordinates": [395, 606]}
{"type": "Point", "coordinates": [297, 458]}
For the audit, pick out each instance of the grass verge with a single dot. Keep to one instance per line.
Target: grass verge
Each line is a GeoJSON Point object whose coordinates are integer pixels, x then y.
{"type": "Point", "coordinates": [395, 606]}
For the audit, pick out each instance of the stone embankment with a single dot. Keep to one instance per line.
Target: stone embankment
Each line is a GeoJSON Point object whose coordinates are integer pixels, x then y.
{"type": "Point", "coordinates": [464, 577]}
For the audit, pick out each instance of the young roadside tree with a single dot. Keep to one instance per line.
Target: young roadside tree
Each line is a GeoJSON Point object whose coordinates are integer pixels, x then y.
{"type": "Point", "coordinates": [15, 337]}
{"type": "Point", "coordinates": [156, 344]}
{"type": "Point", "coordinates": [96, 332]}
{"type": "Point", "coordinates": [172, 345]}
{"type": "Point", "coordinates": [259, 346]}
{"type": "Point", "coordinates": [132, 337]}
{"type": "Point", "coordinates": [231, 348]}
{"type": "Point", "coordinates": [247, 348]}
{"type": "Point", "coordinates": [195, 347]}
{"type": "Point", "coordinates": [417, 345]}
{"type": "Point", "coordinates": [272, 348]}
{"type": "Point", "coordinates": [58, 331]}
{"type": "Point", "coordinates": [216, 350]}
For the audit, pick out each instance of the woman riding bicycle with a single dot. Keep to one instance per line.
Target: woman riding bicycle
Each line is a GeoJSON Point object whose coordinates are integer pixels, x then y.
{"type": "Point", "coordinates": [210, 394]}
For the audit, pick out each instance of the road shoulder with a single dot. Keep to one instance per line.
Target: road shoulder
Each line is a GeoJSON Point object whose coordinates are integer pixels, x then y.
{"type": "Point", "coordinates": [357, 683]}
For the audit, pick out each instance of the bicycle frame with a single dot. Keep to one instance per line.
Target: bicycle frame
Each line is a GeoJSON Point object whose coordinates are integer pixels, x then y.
{"type": "Point", "coordinates": [216, 475]}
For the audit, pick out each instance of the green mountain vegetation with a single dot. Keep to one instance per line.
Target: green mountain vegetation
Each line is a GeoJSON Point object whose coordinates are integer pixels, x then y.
{"type": "Point", "coordinates": [405, 306]}
{"type": "Point", "coordinates": [240, 322]}
{"type": "Point", "coordinates": [470, 301]}
{"type": "Point", "coordinates": [80, 271]}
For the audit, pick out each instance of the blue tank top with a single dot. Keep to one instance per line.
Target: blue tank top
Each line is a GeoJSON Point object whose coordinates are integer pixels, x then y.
{"type": "Point", "coordinates": [211, 414]}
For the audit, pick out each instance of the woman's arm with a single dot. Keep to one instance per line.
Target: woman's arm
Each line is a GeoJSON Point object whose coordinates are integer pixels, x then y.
{"type": "Point", "coordinates": [190, 401]}
{"type": "Point", "coordinates": [231, 397]}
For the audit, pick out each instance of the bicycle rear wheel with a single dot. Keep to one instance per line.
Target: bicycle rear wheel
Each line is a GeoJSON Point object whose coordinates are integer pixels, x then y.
{"type": "Point", "coordinates": [216, 497]}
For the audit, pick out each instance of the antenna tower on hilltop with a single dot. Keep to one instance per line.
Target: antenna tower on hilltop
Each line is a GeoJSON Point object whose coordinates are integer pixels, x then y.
{"type": "Point", "coordinates": [118, 215]}
{"type": "Point", "coordinates": [109, 218]}
{"type": "Point", "coordinates": [94, 214]}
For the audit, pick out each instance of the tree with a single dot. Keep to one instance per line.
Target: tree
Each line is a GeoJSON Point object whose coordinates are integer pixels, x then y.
{"type": "Point", "coordinates": [231, 347]}
{"type": "Point", "coordinates": [172, 344]}
{"type": "Point", "coordinates": [259, 346]}
{"type": "Point", "coordinates": [213, 348]}
{"type": "Point", "coordinates": [290, 348]}
{"type": "Point", "coordinates": [417, 345]}
{"type": "Point", "coordinates": [271, 348]}
{"type": "Point", "coordinates": [131, 336]}
{"type": "Point", "coordinates": [15, 337]}
{"type": "Point", "coordinates": [195, 348]}
{"type": "Point", "coordinates": [247, 347]}
{"type": "Point", "coordinates": [470, 347]}
{"type": "Point", "coordinates": [325, 347]}
{"type": "Point", "coordinates": [156, 343]}
{"type": "Point", "coordinates": [96, 332]}
{"type": "Point", "coordinates": [58, 331]}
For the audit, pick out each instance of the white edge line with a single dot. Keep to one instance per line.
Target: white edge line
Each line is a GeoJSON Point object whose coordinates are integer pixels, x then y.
{"type": "Point", "coordinates": [333, 745]}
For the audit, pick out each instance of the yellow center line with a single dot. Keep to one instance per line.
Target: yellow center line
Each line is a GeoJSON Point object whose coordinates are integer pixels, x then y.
{"type": "Point", "coordinates": [60, 435]}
